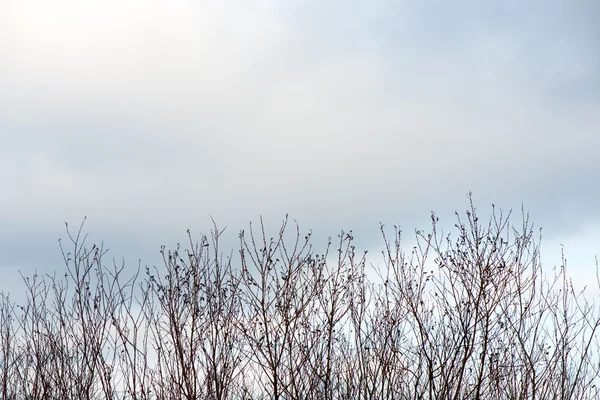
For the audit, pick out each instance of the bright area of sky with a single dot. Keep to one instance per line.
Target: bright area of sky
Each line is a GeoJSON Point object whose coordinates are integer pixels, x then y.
{"type": "Point", "coordinates": [148, 117]}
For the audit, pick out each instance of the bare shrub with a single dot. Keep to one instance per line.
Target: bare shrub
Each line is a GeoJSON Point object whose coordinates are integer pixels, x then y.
{"type": "Point", "coordinates": [466, 315]}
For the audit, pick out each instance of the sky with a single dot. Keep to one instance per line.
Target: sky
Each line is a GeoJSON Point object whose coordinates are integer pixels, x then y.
{"type": "Point", "coordinates": [152, 117]}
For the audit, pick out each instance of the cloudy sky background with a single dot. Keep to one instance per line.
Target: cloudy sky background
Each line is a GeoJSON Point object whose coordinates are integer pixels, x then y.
{"type": "Point", "coordinates": [148, 117]}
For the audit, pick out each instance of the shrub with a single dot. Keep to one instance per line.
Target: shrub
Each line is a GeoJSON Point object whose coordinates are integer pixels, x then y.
{"type": "Point", "coordinates": [469, 315]}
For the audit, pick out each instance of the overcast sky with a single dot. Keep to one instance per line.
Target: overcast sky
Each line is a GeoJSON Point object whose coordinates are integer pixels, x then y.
{"type": "Point", "coordinates": [148, 117]}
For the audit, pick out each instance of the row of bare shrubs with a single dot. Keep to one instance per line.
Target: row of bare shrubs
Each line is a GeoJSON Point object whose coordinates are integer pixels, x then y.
{"type": "Point", "coordinates": [471, 315]}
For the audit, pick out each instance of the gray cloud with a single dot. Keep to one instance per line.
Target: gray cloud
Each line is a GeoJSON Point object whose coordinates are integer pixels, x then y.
{"type": "Point", "coordinates": [149, 117]}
